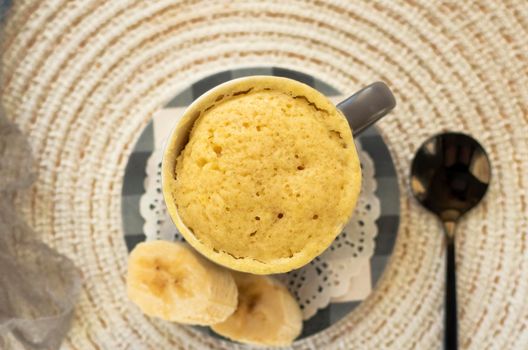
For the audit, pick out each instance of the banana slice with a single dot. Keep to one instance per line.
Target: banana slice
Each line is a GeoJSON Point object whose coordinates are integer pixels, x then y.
{"type": "Point", "coordinates": [267, 313]}
{"type": "Point", "coordinates": [173, 282]}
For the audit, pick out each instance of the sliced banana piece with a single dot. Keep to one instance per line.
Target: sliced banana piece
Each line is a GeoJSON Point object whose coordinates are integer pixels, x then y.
{"type": "Point", "coordinates": [173, 282]}
{"type": "Point", "coordinates": [267, 314]}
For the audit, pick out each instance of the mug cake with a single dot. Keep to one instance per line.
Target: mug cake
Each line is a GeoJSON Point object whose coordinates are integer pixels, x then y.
{"type": "Point", "coordinates": [261, 174]}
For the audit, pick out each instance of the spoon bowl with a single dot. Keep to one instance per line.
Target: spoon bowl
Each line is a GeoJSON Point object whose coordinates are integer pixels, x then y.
{"type": "Point", "coordinates": [450, 174]}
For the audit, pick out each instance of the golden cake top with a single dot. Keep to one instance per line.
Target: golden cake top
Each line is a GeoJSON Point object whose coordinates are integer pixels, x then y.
{"type": "Point", "coordinates": [268, 176]}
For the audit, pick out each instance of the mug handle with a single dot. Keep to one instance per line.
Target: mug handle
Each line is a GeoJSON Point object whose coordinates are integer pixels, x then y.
{"type": "Point", "coordinates": [367, 106]}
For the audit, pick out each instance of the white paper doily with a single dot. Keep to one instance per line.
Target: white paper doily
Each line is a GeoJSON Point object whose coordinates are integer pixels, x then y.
{"type": "Point", "coordinates": [327, 276]}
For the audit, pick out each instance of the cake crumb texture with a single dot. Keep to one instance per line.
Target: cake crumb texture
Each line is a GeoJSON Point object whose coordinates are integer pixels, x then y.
{"type": "Point", "coordinates": [266, 175]}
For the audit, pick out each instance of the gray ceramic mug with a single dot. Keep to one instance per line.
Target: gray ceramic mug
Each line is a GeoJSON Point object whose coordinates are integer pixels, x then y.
{"type": "Point", "coordinates": [361, 110]}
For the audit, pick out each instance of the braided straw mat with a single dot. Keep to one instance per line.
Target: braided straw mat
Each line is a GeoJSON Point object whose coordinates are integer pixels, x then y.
{"type": "Point", "coordinates": [82, 78]}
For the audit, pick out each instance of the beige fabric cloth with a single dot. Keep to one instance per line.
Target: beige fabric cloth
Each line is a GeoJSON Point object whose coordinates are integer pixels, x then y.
{"type": "Point", "coordinates": [82, 78]}
{"type": "Point", "coordinates": [38, 287]}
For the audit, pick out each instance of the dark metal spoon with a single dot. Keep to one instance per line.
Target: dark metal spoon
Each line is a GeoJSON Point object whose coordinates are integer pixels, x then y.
{"type": "Point", "coordinates": [450, 174]}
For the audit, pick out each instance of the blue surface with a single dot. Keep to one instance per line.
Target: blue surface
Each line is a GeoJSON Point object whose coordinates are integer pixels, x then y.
{"type": "Point", "coordinates": [5, 4]}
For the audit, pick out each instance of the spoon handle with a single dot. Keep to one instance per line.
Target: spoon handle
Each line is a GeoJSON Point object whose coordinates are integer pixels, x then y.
{"type": "Point", "coordinates": [451, 325]}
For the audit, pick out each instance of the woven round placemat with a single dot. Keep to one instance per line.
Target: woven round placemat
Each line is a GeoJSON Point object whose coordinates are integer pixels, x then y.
{"type": "Point", "coordinates": [82, 78]}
